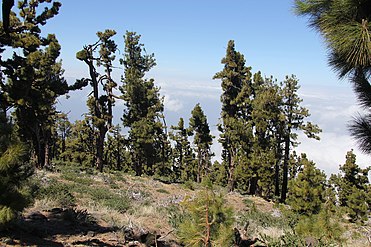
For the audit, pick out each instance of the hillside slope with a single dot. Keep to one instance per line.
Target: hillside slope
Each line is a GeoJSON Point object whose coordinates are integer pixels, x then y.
{"type": "Point", "coordinates": [83, 208]}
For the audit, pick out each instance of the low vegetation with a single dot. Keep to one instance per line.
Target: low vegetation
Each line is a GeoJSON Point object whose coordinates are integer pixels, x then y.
{"type": "Point", "coordinates": [174, 214]}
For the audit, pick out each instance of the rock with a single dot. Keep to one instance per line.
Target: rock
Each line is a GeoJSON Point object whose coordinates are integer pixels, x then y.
{"type": "Point", "coordinates": [90, 234]}
{"type": "Point", "coordinates": [37, 216]}
{"type": "Point", "coordinates": [8, 241]}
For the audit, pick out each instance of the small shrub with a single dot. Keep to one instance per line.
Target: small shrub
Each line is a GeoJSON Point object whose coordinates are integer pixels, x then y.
{"type": "Point", "coordinates": [109, 199]}
{"type": "Point", "coordinates": [208, 221]}
{"type": "Point", "coordinates": [163, 191]}
{"type": "Point", "coordinates": [322, 227]}
{"type": "Point", "coordinates": [248, 202]}
{"type": "Point", "coordinates": [78, 216]}
{"type": "Point", "coordinates": [261, 218]}
{"type": "Point", "coordinates": [189, 185]}
{"type": "Point", "coordinates": [58, 192]}
{"type": "Point", "coordinates": [118, 203]}
{"type": "Point", "coordinates": [77, 178]}
{"type": "Point", "coordinates": [175, 215]}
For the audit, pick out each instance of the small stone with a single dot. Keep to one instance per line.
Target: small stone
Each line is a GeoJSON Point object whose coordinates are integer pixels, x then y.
{"type": "Point", "coordinates": [90, 234]}
{"type": "Point", "coordinates": [36, 216]}
{"type": "Point", "coordinates": [8, 241]}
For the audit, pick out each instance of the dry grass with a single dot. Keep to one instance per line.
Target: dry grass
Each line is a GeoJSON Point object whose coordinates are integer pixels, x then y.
{"type": "Point", "coordinates": [149, 200]}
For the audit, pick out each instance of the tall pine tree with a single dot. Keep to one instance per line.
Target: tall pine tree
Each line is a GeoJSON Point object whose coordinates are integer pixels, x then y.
{"type": "Point", "coordinates": [100, 54]}
{"type": "Point", "coordinates": [236, 109]}
{"type": "Point", "coordinates": [183, 156]}
{"type": "Point", "coordinates": [295, 116]}
{"type": "Point", "coordinates": [199, 128]}
{"type": "Point", "coordinates": [34, 75]}
{"type": "Point", "coordinates": [143, 113]}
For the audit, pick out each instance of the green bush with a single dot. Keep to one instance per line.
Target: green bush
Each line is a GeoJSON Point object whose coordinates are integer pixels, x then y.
{"type": "Point", "coordinates": [58, 192]}
{"type": "Point", "coordinates": [175, 215]}
{"type": "Point", "coordinates": [207, 221]}
{"type": "Point", "coordinates": [109, 199]}
{"type": "Point", "coordinates": [322, 226]}
{"type": "Point", "coordinates": [163, 191]}
{"type": "Point", "coordinates": [14, 172]}
{"type": "Point", "coordinates": [263, 219]}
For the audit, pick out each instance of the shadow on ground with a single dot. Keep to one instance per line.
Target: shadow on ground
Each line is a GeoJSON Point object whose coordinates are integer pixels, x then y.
{"type": "Point", "coordinates": [58, 227]}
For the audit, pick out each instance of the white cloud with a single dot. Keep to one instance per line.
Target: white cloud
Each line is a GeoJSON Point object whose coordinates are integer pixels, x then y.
{"type": "Point", "coordinates": [330, 151]}
{"type": "Point", "coordinates": [172, 104]}
{"type": "Point", "coordinates": [331, 109]}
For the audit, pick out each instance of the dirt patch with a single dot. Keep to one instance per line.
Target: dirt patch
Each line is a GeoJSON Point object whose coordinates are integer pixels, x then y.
{"type": "Point", "coordinates": [66, 227]}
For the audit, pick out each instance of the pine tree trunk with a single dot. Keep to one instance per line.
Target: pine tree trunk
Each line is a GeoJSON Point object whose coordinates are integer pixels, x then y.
{"type": "Point", "coordinates": [253, 185]}
{"type": "Point", "coordinates": [208, 225]}
{"type": "Point", "coordinates": [285, 168]}
{"type": "Point", "coordinates": [46, 155]}
{"type": "Point", "coordinates": [231, 171]}
{"type": "Point", "coordinates": [199, 167]}
{"type": "Point", "coordinates": [100, 148]}
{"type": "Point", "coordinates": [63, 148]}
{"type": "Point", "coordinates": [118, 156]}
{"type": "Point", "coordinates": [277, 171]}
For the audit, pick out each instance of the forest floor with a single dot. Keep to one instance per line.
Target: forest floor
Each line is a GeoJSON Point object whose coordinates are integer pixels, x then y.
{"type": "Point", "coordinates": [79, 208]}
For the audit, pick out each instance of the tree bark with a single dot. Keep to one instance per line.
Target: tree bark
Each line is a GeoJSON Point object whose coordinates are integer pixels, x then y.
{"type": "Point", "coordinates": [277, 171]}
{"type": "Point", "coordinates": [100, 148]}
{"type": "Point", "coordinates": [231, 172]}
{"type": "Point", "coordinates": [46, 155]}
{"type": "Point", "coordinates": [285, 168]}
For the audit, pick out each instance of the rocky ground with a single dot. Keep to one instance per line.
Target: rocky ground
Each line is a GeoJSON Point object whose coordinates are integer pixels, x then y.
{"type": "Point", "coordinates": [121, 210]}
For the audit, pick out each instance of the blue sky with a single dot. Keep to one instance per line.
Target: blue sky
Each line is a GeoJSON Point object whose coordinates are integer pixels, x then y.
{"type": "Point", "coordinates": [189, 39]}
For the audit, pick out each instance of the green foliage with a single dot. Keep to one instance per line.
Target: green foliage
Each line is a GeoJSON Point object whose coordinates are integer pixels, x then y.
{"type": "Point", "coordinates": [104, 196]}
{"type": "Point", "coordinates": [255, 218]}
{"type": "Point", "coordinates": [184, 164]}
{"type": "Point", "coordinates": [143, 113]}
{"type": "Point", "coordinates": [208, 222]}
{"type": "Point", "coordinates": [78, 216]}
{"type": "Point", "coordinates": [117, 157]}
{"type": "Point", "coordinates": [59, 193]}
{"type": "Point", "coordinates": [236, 109]}
{"type": "Point", "coordinates": [218, 174]}
{"type": "Point", "coordinates": [353, 188]}
{"type": "Point", "coordinates": [80, 144]}
{"type": "Point", "coordinates": [33, 75]}
{"type": "Point", "coordinates": [306, 191]}
{"type": "Point", "coordinates": [199, 127]}
{"type": "Point", "coordinates": [286, 240]}
{"type": "Point", "coordinates": [346, 28]}
{"type": "Point", "coordinates": [14, 172]}
{"type": "Point", "coordinates": [175, 215]}
{"type": "Point", "coordinates": [324, 227]}
{"type": "Point", "coordinates": [100, 54]}
{"type": "Point", "coordinates": [294, 120]}
{"type": "Point", "coordinates": [163, 191]}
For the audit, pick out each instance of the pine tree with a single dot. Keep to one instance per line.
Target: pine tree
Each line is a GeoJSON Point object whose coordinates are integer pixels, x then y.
{"type": "Point", "coordinates": [143, 113]}
{"type": "Point", "coordinates": [61, 133]}
{"type": "Point", "coordinates": [14, 170]}
{"type": "Point", "coordinates": [236, 109]}
{"type": "Point", "coordinates": [116, 155]}
{"type": "Point", "coordinates": [100, 54]}
{"type": "Point", "coordinates": [199, 128]}
{"type": "Point", "coordinates": [353, 187]}
{"type": "Point", "coordinates": [266, 117]}
{"type": "Point", "coordinates": [306, 191]}
{"type": "Point", "coordinates": [80, 144]}
{"type": "Point", "coordinates": [346, 27]}
{"type": "Point", "coordinates": [183, 156]}
{"type": "Point", "coordinates": [295, 116]}
{"type": "Point", "coordinates": [208, 221]}
{"type": "Point", "coordinates": [34, 77]}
